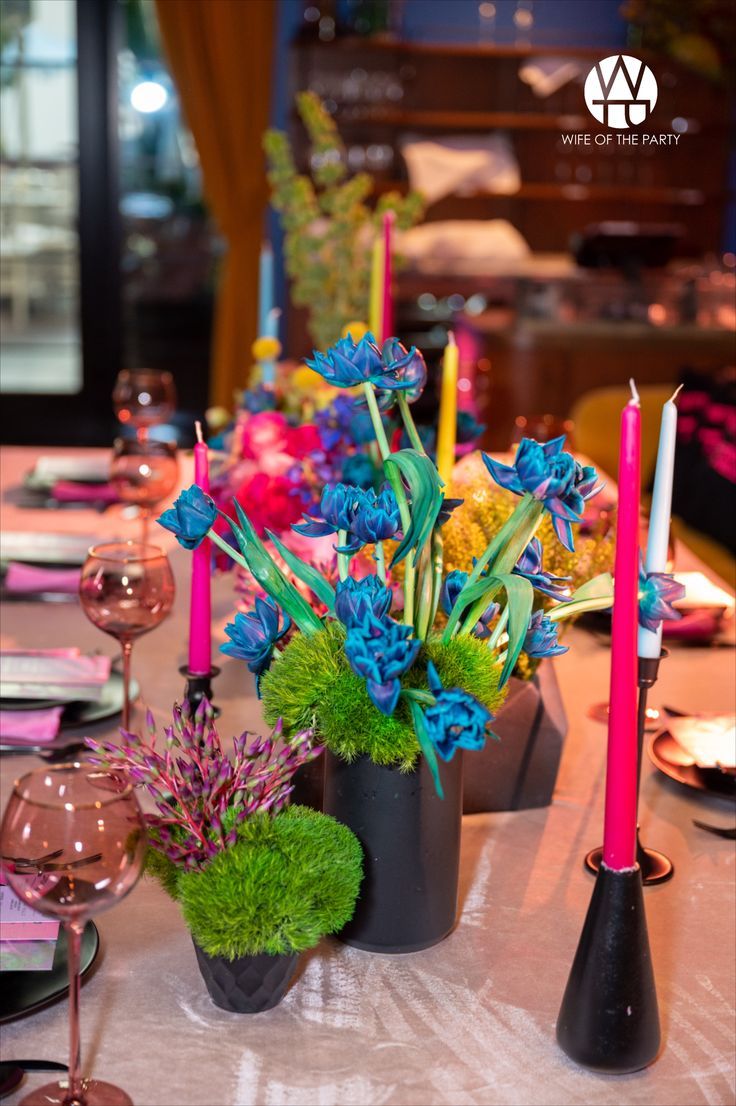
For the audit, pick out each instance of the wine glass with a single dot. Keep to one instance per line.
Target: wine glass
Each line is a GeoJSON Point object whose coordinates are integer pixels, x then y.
{"type": "Point", "coordinates": [143, 398]}
{"type": "Point", "coordinates": [144, 473]}
{"type": "Point", "coordinates": [73, 842]}
{"type": "Point", "coordinates": [126, 589]}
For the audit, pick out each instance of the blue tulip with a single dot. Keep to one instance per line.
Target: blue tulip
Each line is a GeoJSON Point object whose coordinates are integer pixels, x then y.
{"type": "Point", "coordinates": [258, 399]}
{"type": "Point", "coordinates": [530, 567]}
{"type": "Point", "coordinates": [657, 592]}
{"type": "Point", "coordinates": [337, 507]}
{"type": "Point", "coordinates": [354, 599]}
{"type": "Point", "coordinates": [254, 635]}
{"type": "Point", "coordinates": [452, 585]}
{"type": "Point", "coordinates": [457, 720]}
{"type": "Point", "coordinates": [348, 363]}
{"type": "Point", "coordinates": [381, 651]}
{"type": "Point", "coordinates": [541, 637]}
{"type": "Point", "coordinates": [190, 518]}
{"type": "Point", "coordinates": [377, 517]}
{"type": "Point", "coordinates": [551, 476]}
{"type": "Point", "coordinates": [407, 366]}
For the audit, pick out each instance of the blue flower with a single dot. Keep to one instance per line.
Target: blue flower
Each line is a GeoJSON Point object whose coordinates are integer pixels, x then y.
{"type": "Point", "coordinates": [468, 429]}
{"type": "Point", "coordinates": [381, 651]}
{"type": "Point", "coordinates": [258, 399]}
{"type": "Point", "coordinates": [452, 585]}
{"type": "Point", "coordinates": [551, 476]}
{"type": "Point", "coordinates": [359, 470]}
{"type": "Point", "coordinates": [407, 367]}
{"type": "Point", "coordinates": [348, 363]}
{"type": "Point", "coordinates": [657, 592]}
{"type": "Point", "coordinates": [191, 516]}
{"type": "Point", "coordinates": [337, 506]}
{"type": "Point", "coordinates": [541, 637]}
{"type": "Point", "coordinates": [376, 517]}
{"type": "Point", "coordinates": [529, 566]}
{"type": "Point", "coordinates": [254, 635]}
{"type": "Point", "coordinates": [457, 720]}
{"type": "Point", "coordinates": [354, 599]}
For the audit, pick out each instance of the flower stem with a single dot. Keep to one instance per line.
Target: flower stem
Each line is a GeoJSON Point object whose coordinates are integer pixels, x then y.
{"type": "Point", "coordinates": [343, 560]}
{"type": "Point", "coordinates": [394, 478]}
{"type": "Point", "coordinates": [409, 424]}
{"type": "Point", "coordinates": [381, 562]}
{"type": "Point", "coordinates": [499, 628]}
{"type": "Point", "coordinates": [227, 548]}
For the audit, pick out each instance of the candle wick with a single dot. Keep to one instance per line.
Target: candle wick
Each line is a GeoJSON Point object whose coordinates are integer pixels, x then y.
{"type": "Point", "coordinates": [451, 338]}
{"type": "Point", "coordinates": [676, 393]}
{"type": "Point", "coordinates": [634, 393]}
{"type": "Point", "coordinates": [274, 313]}
{"type": "Point", "coordinates": [198, 432]}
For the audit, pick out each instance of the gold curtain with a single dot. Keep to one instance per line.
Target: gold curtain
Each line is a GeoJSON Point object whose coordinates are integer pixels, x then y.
{"type": "Point", "coordinates": [220, 52]}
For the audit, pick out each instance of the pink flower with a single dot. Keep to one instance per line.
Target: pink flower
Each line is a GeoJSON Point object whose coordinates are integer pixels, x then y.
{"type": "Point", "coordinates": [271, 502]}
{"type": "Point", "coordinates": [264, 433]}
{"type": "Point", "coordinates": [303, 440]}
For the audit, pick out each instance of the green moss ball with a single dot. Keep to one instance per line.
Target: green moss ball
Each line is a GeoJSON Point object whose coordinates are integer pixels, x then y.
{"type": "Point", "coordinates": [287, 882]}
{"type": "Point", "coordinates": [311, 683]}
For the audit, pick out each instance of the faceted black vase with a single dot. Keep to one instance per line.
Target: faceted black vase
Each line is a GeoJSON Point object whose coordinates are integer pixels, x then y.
{"type": "Point", "coordinates": [247, 985]}
{"type": "Point", "coordinates": [609, 1020]}
{"type": "Point", "coordinates": [411, 845]}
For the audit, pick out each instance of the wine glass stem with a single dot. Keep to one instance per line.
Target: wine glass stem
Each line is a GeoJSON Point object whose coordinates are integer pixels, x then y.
{"type": "Point", "coordinates": [75, 1094]}
{"type": "Point", "coordinates": [127, 650]}
{"type": "Point", "coordinates": [145, 520]}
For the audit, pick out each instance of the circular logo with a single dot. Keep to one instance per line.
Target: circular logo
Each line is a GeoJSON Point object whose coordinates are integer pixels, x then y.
{"type": "Point", "coordinates": [620, 91]}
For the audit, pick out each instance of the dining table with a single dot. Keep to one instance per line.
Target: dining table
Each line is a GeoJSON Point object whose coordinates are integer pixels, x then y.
{"type": "Point", "coordinates": [468, 1022]}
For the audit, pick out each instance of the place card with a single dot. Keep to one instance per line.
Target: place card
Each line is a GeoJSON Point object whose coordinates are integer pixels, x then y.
{"type": "Point", "coordinates": [85, 470]}
{"type": "Point", "coordinates": [20, 922]}
{"type": "Point", "coordinates": [27, 956]}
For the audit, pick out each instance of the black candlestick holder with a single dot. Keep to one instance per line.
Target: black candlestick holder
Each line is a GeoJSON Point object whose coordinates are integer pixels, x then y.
{"type": "Point", "coordinates": [609, 1018]}
{"type": "Point", "coordinates": [655, 866]}
{"type": "Point", "coordinates": [199, 687]}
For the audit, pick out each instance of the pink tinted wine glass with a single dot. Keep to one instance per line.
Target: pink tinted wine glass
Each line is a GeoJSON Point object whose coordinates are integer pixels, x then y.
{"type": "Point", "coordinates": [143, 398]}
{"type": "Point", "coordinates": [144, 473]}
{"type": "Point", "coordinates": [73, 842]}
{"type": "Point", "coordinates": [126, 589]}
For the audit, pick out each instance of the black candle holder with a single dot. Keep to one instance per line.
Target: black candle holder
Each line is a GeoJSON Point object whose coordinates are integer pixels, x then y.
{"type": "Point", "coordinates": [655, 866]}
{"type": "Point", "coordinates": [609, 1018]}
{"type": "Point", "coordinates": [199, 687]}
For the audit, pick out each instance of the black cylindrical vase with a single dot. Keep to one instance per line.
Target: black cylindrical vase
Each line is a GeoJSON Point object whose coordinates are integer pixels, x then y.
{"type": "Point", "coordinates": [609, 1019]}
{"type": "Point", "coordinates": [308, 784]}
{"type": "Point", "coordinates": [249, 984]}
{"type": "Point", "coordinates": [411, 844]}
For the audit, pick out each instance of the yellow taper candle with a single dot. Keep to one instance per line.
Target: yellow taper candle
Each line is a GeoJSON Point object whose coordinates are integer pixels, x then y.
{"type": "Point", "coordinates": [448, 410]}
{"type": "Point", "coordinates": [375, 316]}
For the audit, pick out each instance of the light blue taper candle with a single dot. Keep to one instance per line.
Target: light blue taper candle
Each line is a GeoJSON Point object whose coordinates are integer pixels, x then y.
{"type": "Point", "coordinates": [650, 641]}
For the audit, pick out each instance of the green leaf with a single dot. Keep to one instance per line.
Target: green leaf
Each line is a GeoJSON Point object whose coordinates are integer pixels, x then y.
{"type": "Point", "coordinates": [425, 744]}
{"type": "Point", "coordinates": [269, 575]}
{"type": "Point", "coordinates": [308, 575]}
{"type": "Point", "coordinates": [425, 487]}
{"type": "Point", "coordinates": [519, 601]}
{"type": "Point", "coordinates": [593, 595]}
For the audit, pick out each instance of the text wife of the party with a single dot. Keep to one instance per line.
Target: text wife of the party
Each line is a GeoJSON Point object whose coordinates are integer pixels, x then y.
{"type": "Point", "coordinates": [580, 138]}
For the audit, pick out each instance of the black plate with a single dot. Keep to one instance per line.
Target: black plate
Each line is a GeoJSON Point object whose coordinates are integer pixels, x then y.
{"type": "Point", "coordinates": [75, 714]}
{"type": "Point", "coordinates": [665, 754]}
{"type": "Point", "coordinates": [23, 992]}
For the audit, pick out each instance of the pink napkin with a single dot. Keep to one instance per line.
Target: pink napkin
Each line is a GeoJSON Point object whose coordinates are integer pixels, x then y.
{"type": "Point", "coordinates": [30, 727]}
{"type": "Point", "coordinates": [31, 579]}
{"type": "Point", "coordinates": [71, 491]}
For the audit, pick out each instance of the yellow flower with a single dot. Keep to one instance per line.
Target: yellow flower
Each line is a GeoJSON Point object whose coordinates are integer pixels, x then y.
{"type": "Point", "coordinates": [266, 348]}
{"type": "Point", "coordinates": [355, 329]}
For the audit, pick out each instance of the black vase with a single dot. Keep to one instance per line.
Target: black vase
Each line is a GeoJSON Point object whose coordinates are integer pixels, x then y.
{"type": "Point", "coordinates": [411, 845]}
{"type": "Point", "coordinates": [247, 985]}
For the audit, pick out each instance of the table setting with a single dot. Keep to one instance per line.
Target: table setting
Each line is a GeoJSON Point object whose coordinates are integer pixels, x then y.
{"type": "Point", "coordinates": [272, 799]}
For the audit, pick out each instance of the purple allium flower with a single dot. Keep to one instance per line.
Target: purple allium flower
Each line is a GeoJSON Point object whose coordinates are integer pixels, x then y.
{"type": "Point", "coordinates": [201, 791]}
{"type": "Point", "coordinates": [551, 476]}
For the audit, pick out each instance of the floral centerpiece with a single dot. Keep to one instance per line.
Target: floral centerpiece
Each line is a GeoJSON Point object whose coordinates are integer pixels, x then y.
{"type": "Point", "coordinates": [258, 881]}
{"type": "Point", "coordinates": [392, 687]}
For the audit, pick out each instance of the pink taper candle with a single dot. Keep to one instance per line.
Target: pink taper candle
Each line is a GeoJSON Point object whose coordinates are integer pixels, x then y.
{"type": "Point", "coordinates": [387, 319]}
{"type": "Point", "coordinates": [200, 609]}
{"type": "Point", "coordinates": [619, 837]}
